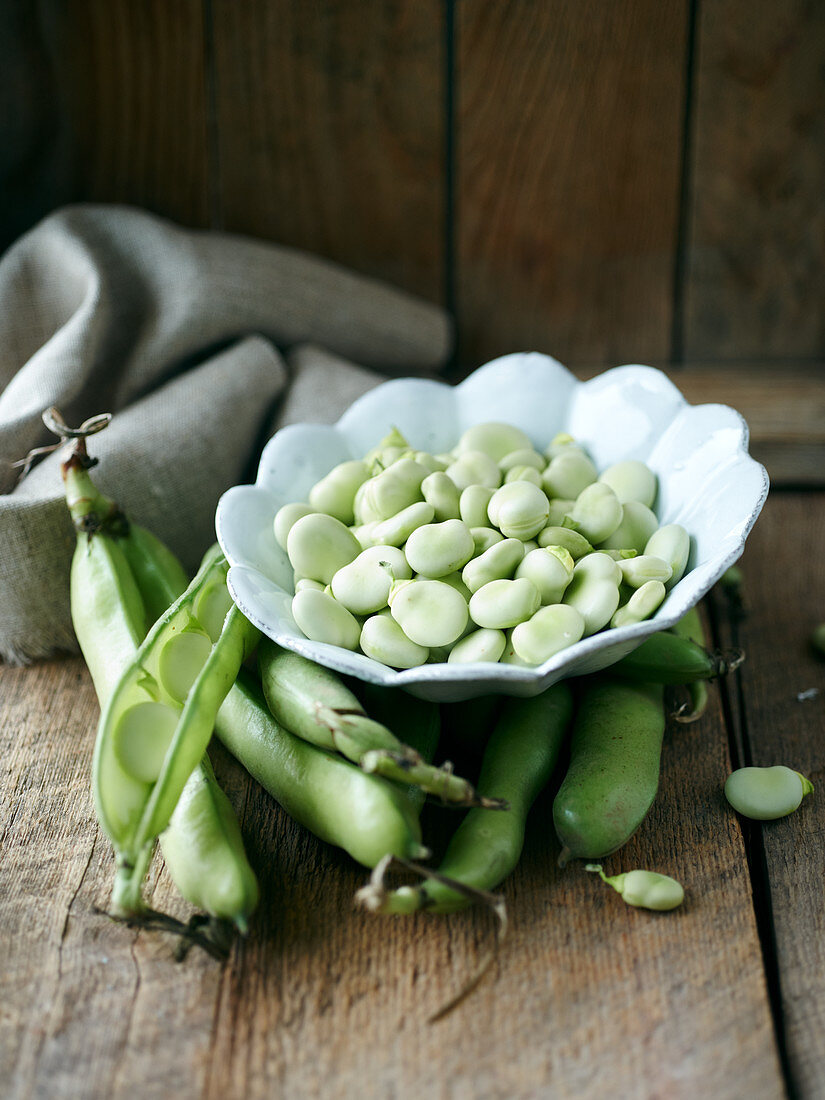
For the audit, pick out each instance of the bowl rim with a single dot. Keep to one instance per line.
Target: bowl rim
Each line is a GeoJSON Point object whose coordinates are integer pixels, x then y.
{"type": "Point", "coordinates": [521, 679]}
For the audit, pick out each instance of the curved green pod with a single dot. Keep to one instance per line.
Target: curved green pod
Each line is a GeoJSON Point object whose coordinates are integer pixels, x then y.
{"type": "Point", "coordinates": [669, 658]}
{"type": "Point", "coordinates": [365, 815]}
{"type": "Point", "coordinates": [122, 576]}
{"type": "Point", "coordinates": [157, 723]}
{"type": "Point", "coordinates": [518, 762]}
{"type": "Point", "coordinates": [312, 702]}
{"type": "Point", "coordinates": [204, 852]}
{"type": "Point", "coordinates": [613, 775]}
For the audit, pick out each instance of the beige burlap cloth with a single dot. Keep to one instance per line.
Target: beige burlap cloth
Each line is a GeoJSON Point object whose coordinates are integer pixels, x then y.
{"type": "Point", "coordinates": [200, 344]}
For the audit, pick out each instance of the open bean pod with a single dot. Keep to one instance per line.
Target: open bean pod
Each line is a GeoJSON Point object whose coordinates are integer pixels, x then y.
{"type": "Point", "coordinates": [159, 718]}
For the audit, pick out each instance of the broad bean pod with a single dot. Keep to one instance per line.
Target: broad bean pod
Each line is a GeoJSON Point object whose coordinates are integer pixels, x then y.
{"type": "Point", "coordinates": [312, 703]}
{"type": "Point", "coordinates": [519, 760]}
{"type": "Point", "coordinates": [613, 774]}
{"type": "Point", "coordinates": [158, 720]}
{"type": "Point", "coordinates": [202, 845]}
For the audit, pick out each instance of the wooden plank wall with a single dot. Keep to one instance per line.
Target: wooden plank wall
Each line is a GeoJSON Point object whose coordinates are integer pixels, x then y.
{"type": "Point", "coordinates": [604, 181]}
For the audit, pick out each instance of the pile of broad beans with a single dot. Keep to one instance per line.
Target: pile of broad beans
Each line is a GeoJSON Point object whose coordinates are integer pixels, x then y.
{"type": "Point", "coordinates": [175, 663]}
{"type": "Point", "coordinates": [494, 551]}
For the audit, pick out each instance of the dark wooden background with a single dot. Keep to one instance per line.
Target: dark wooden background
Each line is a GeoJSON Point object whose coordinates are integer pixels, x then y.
{"type": "Point", "coordinates": [606, 180]}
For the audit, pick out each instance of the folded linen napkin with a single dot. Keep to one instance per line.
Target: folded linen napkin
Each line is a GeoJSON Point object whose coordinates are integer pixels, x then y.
{"type": "Point", "coordinates": [189, 338]}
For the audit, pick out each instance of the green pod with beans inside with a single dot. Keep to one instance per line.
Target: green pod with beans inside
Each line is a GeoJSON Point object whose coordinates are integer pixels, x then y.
{"type": "Point", "coordinates": [518, 761]}
{"type": "Point", "coordinates": [157, 723]}
{"type": "Point", "coordinates": [313, 703]}
{"type": "Point", "coordinates": [204, 853]}
{"type": "Point", "coordinates": [667, 658]}
{"type": "Point", "coordinates": [690, 626]}
{"type": "Point", "coordinates": [121, 575]}
{"type": "Point", "coordinates": [613, 774]}
{"type": "Point", "coordinates": [365, 815]}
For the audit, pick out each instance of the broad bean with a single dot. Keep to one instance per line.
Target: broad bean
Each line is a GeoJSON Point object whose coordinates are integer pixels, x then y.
{"type": "Point", "coordinates": [319, 545]}
{"type": "Point", "coordinates": [550, 569]}
{"type": "Point", "coordinates": [574, 543]}
{"type": "Point", "coordinates": [502, 603]}
{"type": "Point", "coordinates": [597, 512]}
{"type": "Point", "coordinates": [473, 504]}
{"type": "Point", "coordinates": [672, 544]}
{"type": "Point", "coordinates": [429, 612]}
{"type": "Point", "coordinates": [397, 529]}
{"type": "Point", "coordinates": [641, 604]}
{"type": "Point", "coordinates": [519, 510]}
{"type": "Point", "coordinates": [474, 468]}
{"type": "Point", "coordinates": [484, 538]}
{"type": "Point", "coordinates": [384, 640]}
{"type": "Point", "coordinates": [435, 549]}
{"type": "Point", "coordinates": [495, 439]}
{"type": "Point", "coordinates": [765, 794]}
{"type": "Point", "coordinates": [643, 889]}
{"type": "Point", "coordinates": [639, 570]}
{"type": "Point", "coordinates": [440, 491]}
{"type": "Point", "coordinates": [613, 774]}
{"type": "Point", "coordinates": [363, 586]}
{"type": "Point", "coordinates": [484, 644]}
{"type": "Point", "coordinates": [550, 630]}
{"type": "Point", "coordinates": [335, 493]}
{"type": "Point", "coordinates": [568, 474]}
{"type": "Point", "coordinates": [637, 525]}
{"type": "Point", "coordinates": [285, 519]}
{"type": "Point", "coordinates": [524, 456]}
{"type": "Point", "coordinates": [385, 494]}
{"type": "Point", "coordinates": [323, 619]}
{"type": "Point", "coordinates": [497, 563]}
{"type": "Point", "coordinates": [523, 473]}
{"type": "Point", "coordinates": [631, 480]}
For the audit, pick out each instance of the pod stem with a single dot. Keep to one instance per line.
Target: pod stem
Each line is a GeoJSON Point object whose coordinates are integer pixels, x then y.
{"type": "Point", "coordinates": [127, 892]}
{"type": "Point", "coordinates": [128, 907]}
{"type": "Point", "coordinates": [726, 661]}
{"type": "Point", "coordinates": [807, 785]}
{"type": "Point", "coordinates": [91, 510]}
{"type": "Point", "coordinates": [354, 734]}
{"type": "Point", "coordinates": [441, 782]}
{"type": "Point", "coordinates": [215, 940]}
{"type": "Point", "coordinates": [597, 869]}
{"type": "Point", "coordinates": [694, 708]}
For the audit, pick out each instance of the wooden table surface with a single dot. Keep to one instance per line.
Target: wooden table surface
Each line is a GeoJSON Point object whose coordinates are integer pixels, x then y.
{"type": "Point", "coordinates": [723, 998]}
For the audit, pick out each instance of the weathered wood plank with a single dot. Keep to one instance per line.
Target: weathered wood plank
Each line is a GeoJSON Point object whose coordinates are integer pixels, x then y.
{"type": "Point", "coordinates": [756, 260]}
{"type": "Point", "coordinates": [784, 595]}
{"type": "Point", "coordinates": [132, 95]}
{"type": "Point", "coordinates": [587, 994]}
{"type": "Point", "coordinates": [568, 167]}
{"type": "Point", "coordinates": [90, 1008]}
{"type": "Point", "coordinates": [330, 126]}
{"type": "Point", "coordinates": [34, 162]}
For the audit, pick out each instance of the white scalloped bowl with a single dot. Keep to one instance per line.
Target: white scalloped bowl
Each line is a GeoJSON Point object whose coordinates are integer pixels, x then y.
{"type": "Point", "coordinates": [707, 482]}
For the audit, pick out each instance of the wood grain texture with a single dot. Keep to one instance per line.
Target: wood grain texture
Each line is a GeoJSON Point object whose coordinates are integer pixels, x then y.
{"type": "Point", "coordinates": [131, 90]}
{"type": "Point", "coordinates": [568, 162]}
{"type": "Point", "coordinates": [34, 157]}
{"type": "Point", "coordinates": [587, 995]}
{"type": "Point", "coordinates": [756, 260]}
{"type": "Point", "coordinates": [330, 129]}
{"type": "Point", "coordinates": [784, 595]}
